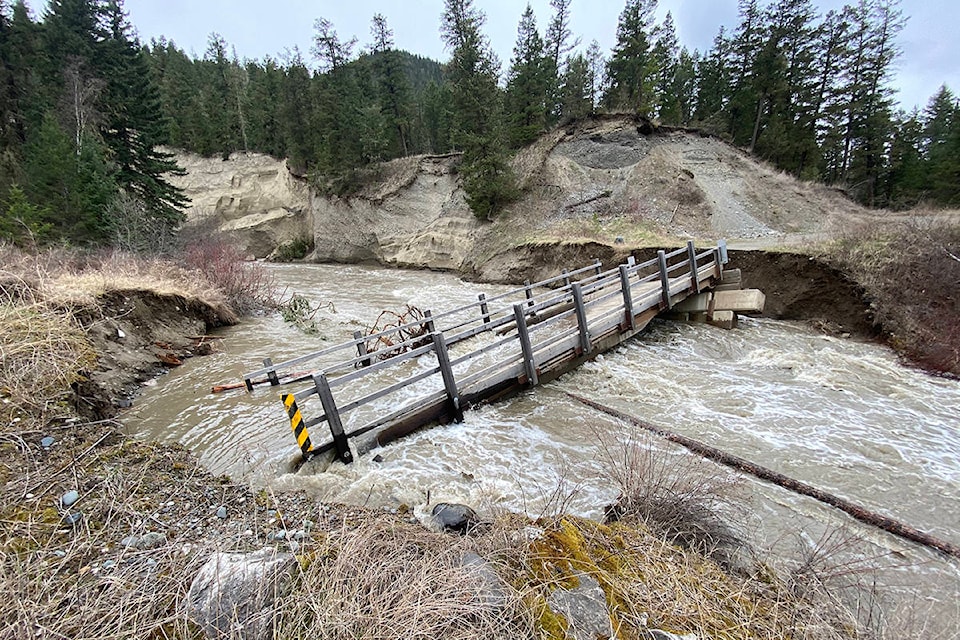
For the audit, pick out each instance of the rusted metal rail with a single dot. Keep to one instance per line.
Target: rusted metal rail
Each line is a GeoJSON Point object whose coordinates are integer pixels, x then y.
{"type": "Point", "coordinates": [517, 340]}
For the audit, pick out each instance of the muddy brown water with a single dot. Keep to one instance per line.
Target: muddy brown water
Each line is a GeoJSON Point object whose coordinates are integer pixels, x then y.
{"type": "Point", "coordinates": [840, 414]}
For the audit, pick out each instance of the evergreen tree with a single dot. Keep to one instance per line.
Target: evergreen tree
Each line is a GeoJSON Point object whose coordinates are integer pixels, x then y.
{"type": "Point", "coordinates": [577, 88]}
{"type": "Point", "coordinates": [714, 86]}
{"type": "Point", "coordinates": [666, 61]}
{"type": "Point", "coordinates": [487, 179]}
{"type": "Point", "coordinates": [631, 70]}
{"type": "Point", "coordinates": [941, 139]}
{"type": "Point", "coordinates": [557, 46]}
{"type": "Point", "coordinates": [906, 176]}
{"type": "Point", "coordinates": [528, 85]}
{"type": "Point", "coordinates": [394, 88]}
{"type": "Point", "coordinates": [595, 73]}
{"type": "Point", "coordinates": [132, 122]}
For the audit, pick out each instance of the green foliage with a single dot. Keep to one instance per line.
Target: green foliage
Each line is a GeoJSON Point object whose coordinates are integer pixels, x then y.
{"type": "Point", "coordinates": [22, 222]}
{"type": "Point", "coordinates": [296, 249]}
{"type": "Point", "coordinates": [299, 312]}
{"type": "Point", "coordinates": [529, 85]}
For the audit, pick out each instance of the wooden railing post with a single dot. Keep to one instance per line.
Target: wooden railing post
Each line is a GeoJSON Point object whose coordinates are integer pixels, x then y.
{"type": "Point", "coordinates": [272, 374]}
{"type": "Point", "coordinates": [597, 266]}
{"type": "Point", "coordinates": [529, 364]}
{"type": "Point", "coordinates": [724, 258]}
{"type": "Point", "coordinates": [717, 263]}
{"type": "Point", "coordinates": [361, 348]}
{"type": "Point", "coordinates": [585, 345]}
{"type": "Point", "coordinates": [428, 321]}
{"type": "Point", "coordinates": [627, 295]}
{"type": "Point", "coordinates": [664, 278]}
{"type": "Point", "coordinates": [528, 292]}
{"type": "Point", "coordinates": [446, 372]}
{"type": "Point", "coordinates": [694, 273]}
{"type": "Point", "coordinates": [333, 418]}
{"type": "Point", "coordinates": [484, 308]}
{"type": "Point", "coordinates": [566, 278]}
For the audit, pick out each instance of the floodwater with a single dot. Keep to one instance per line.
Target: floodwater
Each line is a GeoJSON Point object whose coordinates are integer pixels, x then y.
{"type": "Point", "coordinates": [839, 414]}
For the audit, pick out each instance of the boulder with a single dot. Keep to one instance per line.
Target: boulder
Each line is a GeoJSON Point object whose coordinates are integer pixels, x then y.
{"type": "Point", "coordinates": [233, 595]}
{"type": "Point", "coordinates": [491, 589]}
{"type": "Point", "coordinates": [585, 609]}
{"type": "Point", "coordinates": [455, 517]}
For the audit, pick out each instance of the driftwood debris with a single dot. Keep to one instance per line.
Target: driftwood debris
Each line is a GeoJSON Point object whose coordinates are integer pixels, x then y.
{"type": "Point", "coordinates": [296, 377]}
{"type": "Point", "coordinates": [858, 512]}
{"type": "Point", "coordinates": [396, 332]}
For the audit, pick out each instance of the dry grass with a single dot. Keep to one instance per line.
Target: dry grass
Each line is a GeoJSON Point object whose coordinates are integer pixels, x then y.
{"type": "Point", "coordinates": [385, 579]}
{"type": "Point", "coordinates": [910, 271]}
{"type": "Point", "coordinates": [42, 351]}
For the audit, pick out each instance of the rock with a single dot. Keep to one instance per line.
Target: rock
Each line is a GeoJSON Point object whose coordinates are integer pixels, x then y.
{"type": "Point", "coordinates": [491, 588]}
{"type": "Point", "coordinates": [73, 519]}
{"type": "Point", "coordinates": [455, 517]}
{"type": "Point", "coordinates": [585, 609]}
{"type": "Point", "coordinates": [222, 512]}
{"type": "Point", "coordinates": [660, 634]}
{"type": "Point", "coordinates": [149, 540]}
{"type": "Point", "coordinates": [69, 499]}
{"type": "Point", "coordinates": [233, 594]}
{"type": "Point", "coordinates": [47, 442]}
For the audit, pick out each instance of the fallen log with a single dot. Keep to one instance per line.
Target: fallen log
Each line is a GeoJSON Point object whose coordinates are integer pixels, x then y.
{"type": "Point", "coordinates": [220, 388]}
{"type": "Point", "coordinates": [858, 512]}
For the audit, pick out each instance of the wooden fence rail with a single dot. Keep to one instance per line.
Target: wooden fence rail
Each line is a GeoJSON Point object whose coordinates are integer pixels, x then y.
{"type": "Point", "coordinates": [526, 336]}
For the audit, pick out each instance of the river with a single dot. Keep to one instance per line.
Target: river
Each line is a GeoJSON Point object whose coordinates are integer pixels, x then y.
{"type": "Point", "coordinates": [840, 414]}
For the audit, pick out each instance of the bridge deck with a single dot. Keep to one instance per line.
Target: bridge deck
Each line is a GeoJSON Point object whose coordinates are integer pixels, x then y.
{"type": "Point", "coordinates": [437, 367]}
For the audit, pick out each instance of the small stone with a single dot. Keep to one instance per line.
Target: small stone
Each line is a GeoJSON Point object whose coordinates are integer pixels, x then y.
{"type": "Point", "coordinates": [222, 513]}
{"type": "Point", "coordinates": [294, 546]}
{"type": "Point", "coordinates": [378, 458]}
{"type": "Point", "coordinates": [47, 442]}
{"type": "Point", "coordinates": [73, 519]}
{"type": "Point", "coordinates": [130, 541]}
{"type": "Point", "coordinates": [109, 564]}
{"type": "Point", "coordinates": [300, 535]}
{"type": "Point", "coordinates": [151, 540]}
{"type": "Point", "coordinates": [69, 498]}
{"type": "Point", "coordinates": [60, 553]}
{"type": "Point", "coordinates": [280, 535]}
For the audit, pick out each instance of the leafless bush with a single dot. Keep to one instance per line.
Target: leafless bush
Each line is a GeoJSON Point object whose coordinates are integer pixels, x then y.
{"type": "Point", "coordinates": [247, 285]}
{"type": "Point", "coordinates": [682, 497]}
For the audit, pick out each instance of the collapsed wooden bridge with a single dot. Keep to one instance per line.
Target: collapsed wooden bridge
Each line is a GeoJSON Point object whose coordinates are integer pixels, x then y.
{"type": "Point", "coordinates": [439, 365]}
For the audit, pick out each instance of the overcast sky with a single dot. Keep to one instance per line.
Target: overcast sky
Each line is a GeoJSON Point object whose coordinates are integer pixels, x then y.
{"type": "Point", "coordinates": [931, 46]}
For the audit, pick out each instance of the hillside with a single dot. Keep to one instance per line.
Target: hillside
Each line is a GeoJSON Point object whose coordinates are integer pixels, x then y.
{"type": "Point", "coordinates": [611, 181]}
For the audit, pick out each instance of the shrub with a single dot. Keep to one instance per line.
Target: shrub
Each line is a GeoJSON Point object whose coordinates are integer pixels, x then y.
{"type": "Point", "coordinates": [910, 272]}
{"type": "Point", "coordinates": [247, 285]}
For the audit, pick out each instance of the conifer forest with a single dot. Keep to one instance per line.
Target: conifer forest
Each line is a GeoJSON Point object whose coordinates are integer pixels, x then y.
{"type": "Point", "coordinates": [88, 112]}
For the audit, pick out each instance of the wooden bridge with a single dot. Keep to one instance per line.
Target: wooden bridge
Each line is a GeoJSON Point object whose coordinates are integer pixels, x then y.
{"type": "Point", "coordinates": [436, 367]}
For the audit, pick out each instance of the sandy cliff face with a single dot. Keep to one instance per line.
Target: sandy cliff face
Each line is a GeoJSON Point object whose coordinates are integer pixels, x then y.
{"type": "Point", "coordinates": [609, 182]}
{"type": "Point", "coordinates": [414, 215]}
{"type": "Point", "coordinates": [252, 197]}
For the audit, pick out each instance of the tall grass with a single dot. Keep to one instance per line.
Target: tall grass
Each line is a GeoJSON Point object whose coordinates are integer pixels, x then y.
{"type": "Point", "coordinates": [910, 271]}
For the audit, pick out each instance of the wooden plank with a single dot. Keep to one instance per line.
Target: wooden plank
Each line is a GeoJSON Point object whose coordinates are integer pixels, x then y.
{"type": "Point", "coordinates": [582, 324]}
{"type": "Point", "coordinates": [529, 364]}
{"type": "Point", "coordinates": [627, 295]}
{"type": "Point", "coordinates": [333, 419]}
{"type": "Point", "coordinates": [446, 371]}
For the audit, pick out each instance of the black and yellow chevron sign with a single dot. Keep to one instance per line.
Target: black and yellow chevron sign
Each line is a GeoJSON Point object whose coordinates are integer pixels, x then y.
{"type": "Point", "coordinates": [296, 423]}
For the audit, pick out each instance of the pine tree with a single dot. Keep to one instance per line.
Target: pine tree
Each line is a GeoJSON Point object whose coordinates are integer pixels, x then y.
{"type": "Point", "coordinates": [393, 88]}
{"type": "Point", "coordinates": [557, 46]}
{"type": "Point", "coordinates": [714, 86]}
{"type": "Point", "coordinates": [941, 140]}
{"type": "Point", "coordinates": [577, 88]}
{"type": "Point", "coordinates": [527, 101]}
{"type": "Point", "coordinates": [666, 60]}
{"type": "Point", "coordinates": [133, 123]}
{"type": "Point", "coordinates": [631, 70]}
{"type": "Point", "coordinates": [487, 179]}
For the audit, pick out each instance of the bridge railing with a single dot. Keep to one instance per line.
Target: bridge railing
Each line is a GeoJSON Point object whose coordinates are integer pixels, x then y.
{"type": "Point", "coordinates": [523, 333]}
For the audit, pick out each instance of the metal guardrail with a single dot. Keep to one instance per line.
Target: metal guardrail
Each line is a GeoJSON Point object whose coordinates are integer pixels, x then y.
{"type": "Point", "coordinates": [552, 327]}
